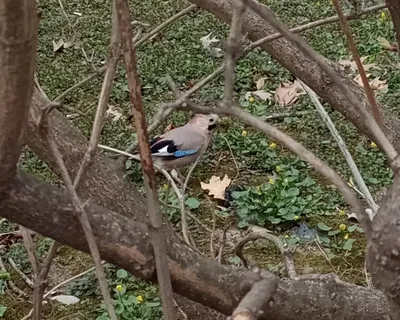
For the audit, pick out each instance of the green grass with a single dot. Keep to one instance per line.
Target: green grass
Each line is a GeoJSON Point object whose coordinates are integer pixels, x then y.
{"type": "Point", "coordinates": [177, 51]}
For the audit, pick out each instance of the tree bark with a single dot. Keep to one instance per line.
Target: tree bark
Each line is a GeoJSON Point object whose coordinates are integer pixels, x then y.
{"type": "Point", "coordinates": [394, 9]}
{"type": "Point", "coordinates": [126, 243]}
{"type": "Point", "coordinates": [304, 68]}
{"type": "Point", "coordinates": [18, 41]}
{"type": "Point", "coordinates": [383, 254]}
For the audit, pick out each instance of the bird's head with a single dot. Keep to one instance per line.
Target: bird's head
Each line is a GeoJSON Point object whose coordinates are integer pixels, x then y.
{"type": "Point", "coordinates": [207, 122]}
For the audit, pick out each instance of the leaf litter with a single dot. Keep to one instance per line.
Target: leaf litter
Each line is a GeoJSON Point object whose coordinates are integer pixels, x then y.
{"type": "Point", "coordinates": [216, 186]}
{"type": "Point", "coordinates": [288, 93]}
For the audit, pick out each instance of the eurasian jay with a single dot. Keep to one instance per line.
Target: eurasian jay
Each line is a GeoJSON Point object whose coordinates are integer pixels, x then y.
{"type": "Point", "coordinates": [182, 146]}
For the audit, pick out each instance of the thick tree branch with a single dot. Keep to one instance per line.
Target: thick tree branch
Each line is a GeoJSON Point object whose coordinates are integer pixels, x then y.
{"type": "Point", "coordinates": [18, 42]}
{"type": "Point", "coordinates": [126, 243]}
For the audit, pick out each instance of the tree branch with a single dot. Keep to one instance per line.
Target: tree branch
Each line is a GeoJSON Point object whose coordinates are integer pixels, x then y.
{"type": "Point", "coordinates": [360, 67]}
{"type": "Point", "coordinates": [18, 42]}
{"type": "Point", "coordinates": [379, 135]}
{"type": "Point", "coordinates": [126, 243]}
{"type": "Point", "coordinates": [112, 64]}
{"type": "Point", "coordinates": [342, 145]}
{"type": "Point", "coordinates": [251, 305]}
{"type": "Point", "coordinates": [153, 207]}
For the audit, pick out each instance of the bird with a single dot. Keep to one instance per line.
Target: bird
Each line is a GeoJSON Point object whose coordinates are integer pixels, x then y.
{"type": "Point", "coordinates": [183, 145]}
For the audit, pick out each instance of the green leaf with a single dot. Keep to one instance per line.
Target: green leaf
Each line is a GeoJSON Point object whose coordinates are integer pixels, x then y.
{"type": "Point", "coordinates": [243, 212]}
{"type": "Point", "coordinates": [2, 310]}
{"type": "Point", "coordinates": [242, 224]}
{"type": "Point", "coordinates": [192, 203]}
{"type": "Point", "coordinates": [373, 180]}
{"type": "Point", "coordinates": [352, 228]}
{"type": "Point", "coordinates": [293, 192]}
{"type": "Point", "coordinates": [322, 226]}
{"type": "Point", "coordinates": [274, 220]}
{"type": "Point", "coordinates": [333, 232]}
{"type": "Point", "coordinates": [361, 149]}
{"type": "Point", "coordinates": [119, 308]}
{"type": "Point", "coordinates": [283, 211]}
{"type": "Point", "coordinates": [122, 274]}
{"type": "Point", "coordinates": [348, 245]}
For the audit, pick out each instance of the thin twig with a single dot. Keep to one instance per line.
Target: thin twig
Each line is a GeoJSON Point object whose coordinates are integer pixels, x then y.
{"type": "Point", "coordinates": [137, 43]}
{"type": "Point", "coordinates": [182, 200]}
{"type": "Point", "coordinates": [156, 227]}
{"type": "Point", "coordinates": [112, 64]}
{"type": "Point", "coordinates": [261, 292]}
{"type": "Point", "coordinates": [222, 245]}
{"type": "Point", "coordinates": [233, 158]}
{"type": "Point", "coordinates": [48, 293]}
{"type": "Point", "coordinates": [262, 233]}
{"type": "Point", "coordinates": [294, 146]}
{"type": "Point", "coordinates": [40, 282]}
{"type": "Point", "coordinates": [169, 179]}
{"type": "Point", "coordinates": [214, 222]}
{"type": "Point", "coordinates": [165, 109]}
{"type": "Point", "coordinates": [379, 135]}
{"type": "Point", "coordinates": [30, 248]}
{"type": "Point", "coordinates": [82, 216]}
{"type": "Point", "coordinates": [66, 15]}
{"type": "Point", "coordinates": [360, 67]}
{"type": "Point", "coordinates": [233, 50]}
{"type": "Point", "coordinates": [165, 24]}
{"type": "Point", "coordinates": [11, 284]}
{"type": "Point", "coordinates": [342, 145]}
{"type": "Point", "coordinates": [24, 277]}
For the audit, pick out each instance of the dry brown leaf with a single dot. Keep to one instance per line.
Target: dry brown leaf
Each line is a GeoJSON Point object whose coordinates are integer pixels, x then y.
{"type": "Point", "coordinates": [358, 79]}
{"type": "Point", "coordinates": [387, 45]}
{"type": "Point", "coordinates": [260, 83]}
{"type": "Point", "coordinates": [216, 186]}
{"type": "Point", "coordinates": [287, 93]}
{"type": "Point", "coordinates": [114, 112]}
{"type": "Point", "coordinates": [376, 83]}
{"type": "Point", "coordinates": [353, 66]}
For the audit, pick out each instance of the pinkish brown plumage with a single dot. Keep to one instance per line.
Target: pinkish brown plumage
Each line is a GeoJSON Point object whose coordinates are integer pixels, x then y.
{"type": "Point", "coordinates": [183, 145]}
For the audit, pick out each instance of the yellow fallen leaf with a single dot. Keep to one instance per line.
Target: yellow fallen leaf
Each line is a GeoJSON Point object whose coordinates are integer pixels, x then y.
{"type": "Point", "coordinates": [216, 186]}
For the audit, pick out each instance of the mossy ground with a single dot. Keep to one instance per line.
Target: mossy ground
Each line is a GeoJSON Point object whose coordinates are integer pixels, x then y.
{"type": "Point", "coordinates": [177, 51]}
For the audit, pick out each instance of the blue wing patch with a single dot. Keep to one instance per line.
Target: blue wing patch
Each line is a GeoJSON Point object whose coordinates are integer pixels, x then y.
{"type": "Point", "coordinates": [184, 153]}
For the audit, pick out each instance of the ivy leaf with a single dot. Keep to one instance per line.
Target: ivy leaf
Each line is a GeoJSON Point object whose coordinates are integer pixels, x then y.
{"type": "Point", "coordinates": [322, 226]}
{"type": "Point", "coordinates": [192, 203]}
{"type": "Point", "coordinates": [348, 245]}
{"type": "Point", "coordinates": [2, 310]}
{"type": "Point", "coordinates": [122, 274]}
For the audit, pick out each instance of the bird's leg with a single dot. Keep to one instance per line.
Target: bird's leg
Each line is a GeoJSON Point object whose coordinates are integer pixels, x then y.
{"type": "Point", "coordinates": [175, 175]}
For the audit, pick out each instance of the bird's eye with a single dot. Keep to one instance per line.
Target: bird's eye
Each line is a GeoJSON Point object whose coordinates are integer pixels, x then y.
{"type": "Point", "coordinates": [211, 120]}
